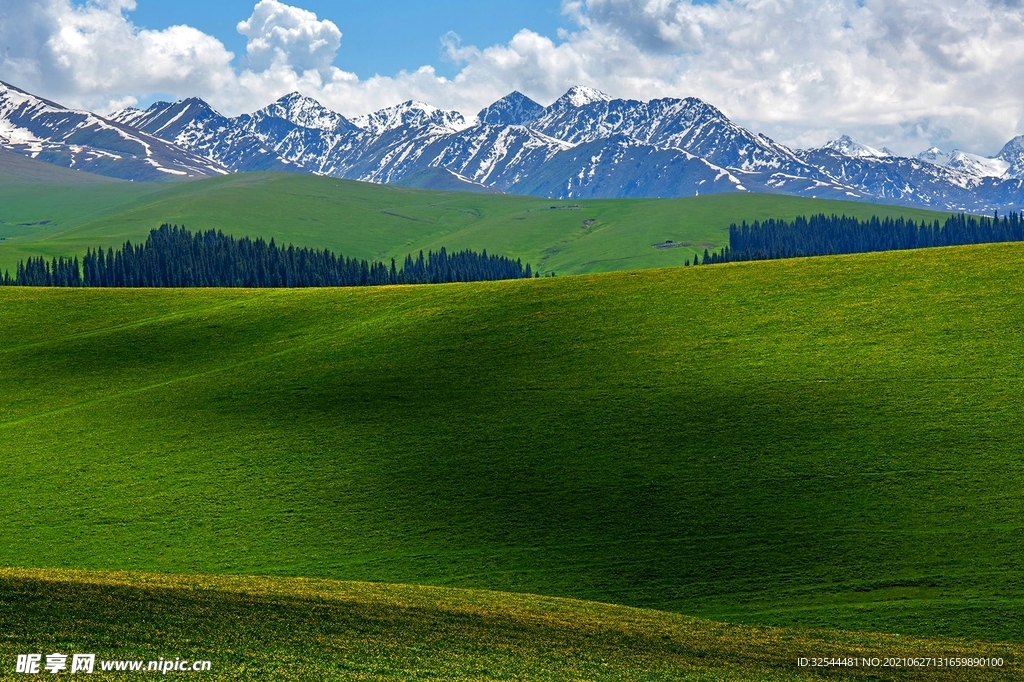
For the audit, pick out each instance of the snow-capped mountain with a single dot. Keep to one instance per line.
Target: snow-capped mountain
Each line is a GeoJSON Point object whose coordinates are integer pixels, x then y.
{"type": "Point", "coordinates": [1013, 154]}
{"type": "Point", "coordinates": [297, 133]}
{"type": "Point", "coordinates": [980, 166]}
{"type": "Point", "coordinates": [411, 114]}
{"type": "Point", "coordinates": [621, 167]}
{"type": "Point", "coordinates": [187, 124]}
{"type": "Point", "coordinates": [934, 155]}
{"type": "Point", "coordinates": [306, 112]}
{"type": "Point", "coordinates": [47, 131]}
{"type": "Point", "coordinates": [895, 179]}
{"type": "Point", "coordinates": [687, 124]}
{"type": "Point", "coordinates": [846, 146]}
{"type": "Point", "coordinates": [511, 110]}
{"type": "Point", "coordinates": [581, 95]}
{"type": "Point", "coordinates": [586, 144]}
{"type": "Point", "coordinates": [498, 156]}
{"type": "Point", "coordinates": [971, 164]}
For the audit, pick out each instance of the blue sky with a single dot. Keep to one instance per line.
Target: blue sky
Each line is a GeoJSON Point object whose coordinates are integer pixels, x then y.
{"type": "Point", "coordinates": [378, 37]}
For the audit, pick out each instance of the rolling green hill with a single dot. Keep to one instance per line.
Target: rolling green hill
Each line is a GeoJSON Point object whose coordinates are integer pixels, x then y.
{"type": "Point", "coordinates": [288, 629]}
{"type": "Point", "coordinates": [828, 443]}
{"type": "Point", "coordinates": [375, 221]}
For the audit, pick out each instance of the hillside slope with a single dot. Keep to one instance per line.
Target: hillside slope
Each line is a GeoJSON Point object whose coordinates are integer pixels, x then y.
{"type": "Point", "coordinates": [288, 629]}
{"type": "Point", "coordinates": [15, 168]}
{"type": "Point", "coordinates": [825, 442]}
{"type": "Point", "coordinates": [374, 221]}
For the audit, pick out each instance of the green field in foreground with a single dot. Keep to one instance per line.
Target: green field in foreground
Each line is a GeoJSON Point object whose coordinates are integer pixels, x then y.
{"type": "Point", "coordinates": [829, 442]}
{"type": "Point", "coordinates": [376, 221]}
{"type": "Point", "coordinates": [288, 629]}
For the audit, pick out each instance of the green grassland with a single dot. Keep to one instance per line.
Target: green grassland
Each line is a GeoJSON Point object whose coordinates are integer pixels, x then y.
{"type": "Point", "coordinates": [830, 443]}
{"type": "Point", "coordinates": [290, 629]}
{"type": "Point", "coordinates": [60, 218]}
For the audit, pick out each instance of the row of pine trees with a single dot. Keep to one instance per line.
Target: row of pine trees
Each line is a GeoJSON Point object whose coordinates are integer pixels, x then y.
{"type": "Point", "coordinates": [823, 235]}
{"type": "Point", "coordinates": [174, 257]}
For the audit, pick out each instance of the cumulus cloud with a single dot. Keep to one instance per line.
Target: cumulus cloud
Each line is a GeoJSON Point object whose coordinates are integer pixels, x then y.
{"type": "Point", "coordinates": [281, 34]}
{"type": "Point", "coordinates": [900, 73]}
{"type": "Point", "coordinates": [91, 56]}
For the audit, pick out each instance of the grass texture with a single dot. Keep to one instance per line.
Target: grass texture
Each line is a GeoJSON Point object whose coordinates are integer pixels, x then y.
{"type": "Point", "coordinates": [290, 629]}
{"type": "Point", "coordinates": [830, 443]}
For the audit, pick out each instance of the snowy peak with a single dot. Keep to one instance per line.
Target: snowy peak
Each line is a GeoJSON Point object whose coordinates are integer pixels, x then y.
{"type": "Point", "coordinates": [978, 166]}
{"type": "Point", "coordinates": [690, 125]}
{"type": "Point", "coordinates": [934, 155]}
{"type": "Point", "coordinates": [972, 164]}
{"type": "Point", "coordinates": [1013, 149]}
{"type": "Point", "coordinates": [15, 98]}
{"type": "Point", "coordinates": [412, 114]}
{"type": "Point", "coordinates": [846, 146]}
{"type": "Point", "coordinates": [128, 115]}
{"type": "Point", "coordinates": [580, 96]}
{"type": "Point", "coordinates": [306, 112]}
{"type": "Point", "coordinates": [1013, 154]}
{"type": "Point", "coordinates": [512, 109]}
{"type": "Point", "coordinates": [692, 108]}
{"type": "Point", "coordinates": [167, 119]}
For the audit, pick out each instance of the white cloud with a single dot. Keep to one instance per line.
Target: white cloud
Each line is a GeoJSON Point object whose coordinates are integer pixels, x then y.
{"type": "Point", "coordinates": [880, 68]}
{"type": "Point", "coordinates": [899, 73]}
{"type": "Point", "coordinates": [281, 34]}
{"type": "Point", "coordinates": [91, 56]}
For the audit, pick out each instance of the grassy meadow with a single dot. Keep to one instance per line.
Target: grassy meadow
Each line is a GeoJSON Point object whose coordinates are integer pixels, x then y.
{"type": "Point", "coordinates": [65, 216]}
{"type": "Point", "coordinates": [291, 629]}
{"type": "Point", "coordinates": [708, 473]}
{"type": "Point", "coordinates": [827, 443]}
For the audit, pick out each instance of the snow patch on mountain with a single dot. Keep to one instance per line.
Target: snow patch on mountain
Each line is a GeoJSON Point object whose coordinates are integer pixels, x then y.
{"type": "Point", "coordinates": [934, 155]}
{"type": "Point", "coordinates": [194, 125]}
{"type": "Point", "coordinates": [846, 146]}
{"type": "Point", "coordinates": [128, 116]}
{"type": "Point", "coordinates": [45, 130]}
{"type": "Point", "coordinates": [581, 95]}
{"type": "Point", "coordinates": [11, 135]}
{"type": "Point", "coordinates": [971, 164]}
{"type": "Point", "coordinates": [414, 114]}
{"type": "Point", "coordinates": [307, 113]}
{"type": "Point", "coordinates": [512, 109]}
{"type": "Point", "coordinates": [979, 166]}
{"type": "Point", "coordinates": [1013, 154]}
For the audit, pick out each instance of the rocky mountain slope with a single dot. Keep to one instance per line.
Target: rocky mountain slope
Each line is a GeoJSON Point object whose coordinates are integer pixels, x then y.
{"type": "Point", "coordinates": [47, 131]}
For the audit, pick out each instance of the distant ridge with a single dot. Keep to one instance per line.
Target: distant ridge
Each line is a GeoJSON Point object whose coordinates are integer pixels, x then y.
{"type": "Point", "coordinates": [444, 180]}
{"type": "Point", "coordinates": [17, 168]}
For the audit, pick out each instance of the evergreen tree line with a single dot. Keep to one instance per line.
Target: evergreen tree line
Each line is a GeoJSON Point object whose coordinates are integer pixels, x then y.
{"type": "Point", "coordinates": [823, 235]}
{"type": "Point", "coordinates": [174, 257]}
{"type": "Point", "coordinates": [39, 272]}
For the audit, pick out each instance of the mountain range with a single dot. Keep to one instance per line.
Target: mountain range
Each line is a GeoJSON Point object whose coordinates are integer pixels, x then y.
{"type": "Point", "coordinates": [584, 145]}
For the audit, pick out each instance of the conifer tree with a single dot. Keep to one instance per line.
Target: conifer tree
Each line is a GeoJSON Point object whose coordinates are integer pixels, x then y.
{"type": "Point", "coordinates": [174, 257]}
